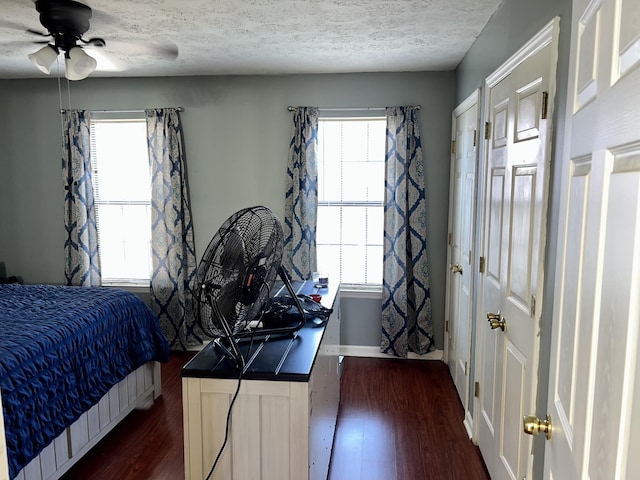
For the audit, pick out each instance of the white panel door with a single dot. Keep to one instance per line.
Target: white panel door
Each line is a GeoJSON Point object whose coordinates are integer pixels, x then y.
{"type": "Point", "coordinates": [461, 226]}
{"type": "Point", "coordinates": [490, 348]}
{"type": "Point", "coordinates": [594, 384]}
{"type": "Point", "coordinates": [516, 190]}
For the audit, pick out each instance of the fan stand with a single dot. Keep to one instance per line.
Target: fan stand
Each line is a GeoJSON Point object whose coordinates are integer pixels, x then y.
{"type": "Point", "coordinates": [233, 351]}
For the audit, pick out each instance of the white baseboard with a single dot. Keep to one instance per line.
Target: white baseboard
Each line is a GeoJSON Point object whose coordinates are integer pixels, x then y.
{"type": "Point", "coordinates": [371, 351]}
{"type": "Point", "coordinates": [468, 424]}
{"type": "Point", "coordinates": [197, 348]}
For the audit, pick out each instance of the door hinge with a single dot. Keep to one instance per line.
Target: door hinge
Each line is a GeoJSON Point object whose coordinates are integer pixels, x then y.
{"type": "Point", "coordinates": [481, 265]}
{"type": "Point", "coordinates": [451, 238]}
{"type": "Point", "coordinates": [476, 390]}
{"type": "Point", "coordinates": [475, 137]}
{"type": "Point", "coordinates": [487, 130]}
{"type": "Point", "coordinates": [533, 306]}
{"type": "Point", "coordinates": [465, 369]}
{"type": "Point", "coordinates": [446, 326]}
{"type": "Point", "coordinates": [453, 147]}
{"type": "Point", "coordinates": [545, 104]}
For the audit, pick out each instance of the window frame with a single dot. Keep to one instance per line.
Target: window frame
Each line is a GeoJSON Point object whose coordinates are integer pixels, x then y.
{"type": "Point", "coordinates": [355, 290]}
{"type": "Point", "coordinates": [132, 284]}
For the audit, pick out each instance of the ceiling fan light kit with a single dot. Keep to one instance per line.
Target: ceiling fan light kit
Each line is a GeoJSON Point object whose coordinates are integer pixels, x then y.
{"type": "Point", "coordinates": [66, 22]}
{"type": "Point", "coordinates": [79, 65]}
{"type": "Point", "coordinates": [44, 58]}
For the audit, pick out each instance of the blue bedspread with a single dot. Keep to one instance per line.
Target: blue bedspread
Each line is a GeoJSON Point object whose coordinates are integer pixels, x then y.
{"type": "Point", "coordinates": [61, 350]}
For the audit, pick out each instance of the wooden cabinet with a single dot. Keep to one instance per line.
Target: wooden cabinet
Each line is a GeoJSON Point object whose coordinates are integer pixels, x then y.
{"type": "Point", "coordinates": [324, 397]}
{"type": "Point", "coordinates": [283, 420]}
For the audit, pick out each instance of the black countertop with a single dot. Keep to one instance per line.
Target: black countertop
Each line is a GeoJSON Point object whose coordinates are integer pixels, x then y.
{"type": "Point", "coordinates": [287, 358]}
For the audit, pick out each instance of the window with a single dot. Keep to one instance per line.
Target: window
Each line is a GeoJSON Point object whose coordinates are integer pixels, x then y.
{"type": "Point", "coordinates": [350, 224]}
{"type": "Point", "coordinates": [122, 193]}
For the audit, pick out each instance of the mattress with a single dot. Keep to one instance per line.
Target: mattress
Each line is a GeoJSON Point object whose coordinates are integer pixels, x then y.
{"type": "Point", "coordinates": [61, 349]}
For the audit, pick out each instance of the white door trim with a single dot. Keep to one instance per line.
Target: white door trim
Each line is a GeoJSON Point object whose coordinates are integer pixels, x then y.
{"type": "Point", "coordinates": [548, 34]}
{"type": "Point", "coordinates": [467, 103]}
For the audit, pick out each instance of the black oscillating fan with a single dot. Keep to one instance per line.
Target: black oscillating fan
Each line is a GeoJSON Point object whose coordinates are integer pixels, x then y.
{"type": "Point", "coordinates": [235, 278]}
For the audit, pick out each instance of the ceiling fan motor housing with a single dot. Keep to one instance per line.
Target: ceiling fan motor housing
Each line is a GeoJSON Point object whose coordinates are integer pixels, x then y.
{"type": "Point", "coordinates": [66, 21]}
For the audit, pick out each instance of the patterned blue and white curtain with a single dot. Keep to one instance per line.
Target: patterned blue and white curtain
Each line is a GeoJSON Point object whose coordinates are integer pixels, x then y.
{"type": "Point", "coordinates": [82, 259]}
{"type": "Point", "coordinates": [406, 300]}
{"type": "Point", "coordinates": [301, 201]}
{"type": "Point", "coordinates": [172, 245]}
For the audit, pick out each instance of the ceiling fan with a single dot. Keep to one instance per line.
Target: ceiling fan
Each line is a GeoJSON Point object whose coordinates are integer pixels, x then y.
{"type": "Point", "coordinates": [66, 22]}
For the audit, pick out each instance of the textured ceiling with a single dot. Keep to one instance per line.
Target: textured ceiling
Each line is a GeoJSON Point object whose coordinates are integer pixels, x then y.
{"type": "Point", "coordinates": [217, 37]}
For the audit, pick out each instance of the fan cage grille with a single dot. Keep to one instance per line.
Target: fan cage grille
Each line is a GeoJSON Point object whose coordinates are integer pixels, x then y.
{"type": "Point", "coordinates": [238, 270]}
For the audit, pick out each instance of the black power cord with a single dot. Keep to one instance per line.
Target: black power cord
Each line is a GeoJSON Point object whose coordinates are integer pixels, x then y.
{"type": "Point", "coordinates": [226, 431]}
{"type": "Point", "coordinates": [233, 400]}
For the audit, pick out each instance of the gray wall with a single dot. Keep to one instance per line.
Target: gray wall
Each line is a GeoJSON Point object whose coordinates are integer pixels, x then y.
{"type": "Point", "coordinates": [515, 22]}
{"type": "Point", "coordinates": [236, 133]}
{"type": "Point", "coordinates": [360, 321]}
{"type": "Point", "coordinates": [511, 26]}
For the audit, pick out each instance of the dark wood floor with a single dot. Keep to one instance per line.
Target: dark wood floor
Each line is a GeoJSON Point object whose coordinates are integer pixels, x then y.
{"type": "Point", "coordinates": [148, 444]}
{"type": "Point", "coordinates": [399, 419]}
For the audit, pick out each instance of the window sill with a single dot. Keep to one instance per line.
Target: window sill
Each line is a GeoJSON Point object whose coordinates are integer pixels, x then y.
{"type": "Point", "coordinates": [130, 287]}
{"type": "Point", "coordinates": [349, 290]}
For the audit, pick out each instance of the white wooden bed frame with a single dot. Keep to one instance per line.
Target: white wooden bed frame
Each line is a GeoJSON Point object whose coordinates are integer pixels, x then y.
{"type": "Point", "coordinates": [136, 391]}
{"type": "Point", "coordinates": [4, 467]}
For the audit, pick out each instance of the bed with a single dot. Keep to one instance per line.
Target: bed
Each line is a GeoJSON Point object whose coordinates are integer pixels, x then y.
{"type": "Point", "coordinates": [73, 362]}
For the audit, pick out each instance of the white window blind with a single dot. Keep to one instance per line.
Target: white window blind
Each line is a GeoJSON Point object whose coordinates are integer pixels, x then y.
{"type": "Point", "coordinates": [122, 193]}
{"type": "Point", "coordinates": [351, 199]}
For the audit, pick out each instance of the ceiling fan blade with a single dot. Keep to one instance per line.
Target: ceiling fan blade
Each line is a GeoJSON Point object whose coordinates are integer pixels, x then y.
{"type": "Point", "coordinates": [165, 49]}
{"type": "Point", "coordinates": [94, 42]}
{"type": "Point", "coordinates": [15, 26]}
{"type": "Point", "coordinates": [101, 18]}
{"type": "Point", "coordinates": [107, 62]}
{"type": "Point", "coordinates": [38, 32]}
{"type": "Point", "coordinates": [20, 45]}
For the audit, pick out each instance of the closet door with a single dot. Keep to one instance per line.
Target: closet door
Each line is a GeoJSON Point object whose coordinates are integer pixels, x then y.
{"type": "Point", "coordinates": [461, 246]}
{"type": "Point", "coordinates": [594, 384]}
{"type": "Point", "coordinates": [519, 97]}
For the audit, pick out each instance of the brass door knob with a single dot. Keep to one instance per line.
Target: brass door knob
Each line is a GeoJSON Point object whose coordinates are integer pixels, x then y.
{"type": "Point", "coordinates": [498, 324]}
{"type": "Point", "coordinates": [533, 425]}
{"type": "Point", "coordinates": [496, 321]}
{"type": "Point", "coordinates": [455, 268]}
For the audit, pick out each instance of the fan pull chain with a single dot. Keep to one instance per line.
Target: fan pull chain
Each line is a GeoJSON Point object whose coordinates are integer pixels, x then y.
{"type": "Point", "coordinates": [69, 93]}
{"type": "Point", "coordinates": [60, 99]}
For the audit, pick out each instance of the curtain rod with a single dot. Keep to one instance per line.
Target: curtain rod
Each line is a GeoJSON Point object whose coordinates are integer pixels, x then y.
{"type": "Point", "coordinates": [347, 109]}
{"type": "Point", "coordinates": [63, 110]}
